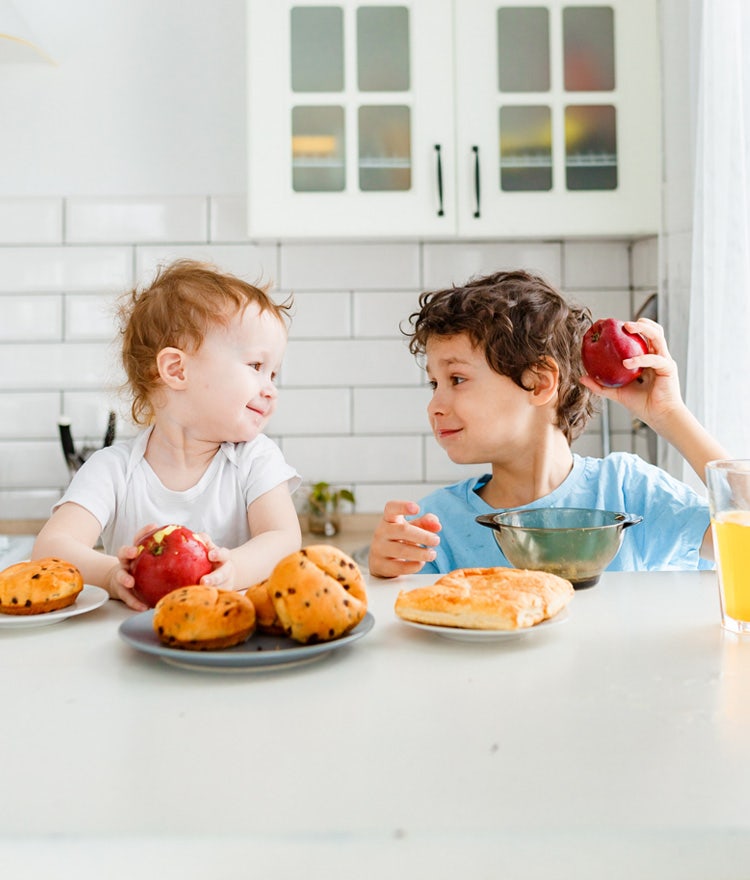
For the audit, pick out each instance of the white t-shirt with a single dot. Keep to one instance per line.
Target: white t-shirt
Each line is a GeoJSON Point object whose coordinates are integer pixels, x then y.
{"type": "Point", "coordinates": [119, 488]}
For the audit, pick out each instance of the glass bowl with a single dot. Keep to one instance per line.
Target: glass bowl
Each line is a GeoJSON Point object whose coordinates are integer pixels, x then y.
{"type": "Point", "coordinates": [573, 542]}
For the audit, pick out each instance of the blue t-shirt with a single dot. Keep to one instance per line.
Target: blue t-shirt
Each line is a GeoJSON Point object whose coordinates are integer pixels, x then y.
{"type": "Point", "coordinates": [675, 517]}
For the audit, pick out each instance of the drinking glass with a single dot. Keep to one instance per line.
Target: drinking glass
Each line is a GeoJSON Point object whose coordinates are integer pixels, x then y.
{"type": "Point", "coordinates": [729, 500]}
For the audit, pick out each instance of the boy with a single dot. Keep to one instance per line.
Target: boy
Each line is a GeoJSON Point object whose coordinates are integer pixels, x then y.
{"type": "Point", "coordinates": [201, 352]}
{"type": "Point", "coordinates": [503, 360]}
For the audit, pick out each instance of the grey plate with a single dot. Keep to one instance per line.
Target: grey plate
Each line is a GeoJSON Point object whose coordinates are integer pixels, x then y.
{"type": "Point", "coordinates": [257, 653]}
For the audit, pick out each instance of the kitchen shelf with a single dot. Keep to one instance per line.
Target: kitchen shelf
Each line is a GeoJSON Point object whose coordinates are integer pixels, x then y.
{"type": "Point", "coordinates": [363, 163]}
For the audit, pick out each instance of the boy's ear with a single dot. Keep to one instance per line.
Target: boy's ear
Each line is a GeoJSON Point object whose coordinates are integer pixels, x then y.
{"type": "Point", "coordinates": [170, 362]}
{"type": "Point", "coordinates": [545, 380]}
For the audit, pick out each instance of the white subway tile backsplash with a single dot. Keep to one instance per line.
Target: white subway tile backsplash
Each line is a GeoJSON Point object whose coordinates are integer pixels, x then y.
{"type": "Point", "coordinates": [345, 266]}
{"type": "Point", "coordinates": [320, 315]}
{"type": "Point", "coordinates": [228, 218]}
{"type": "Point", "coordinates": [381, 313]}
{"type": "Point", "coordinates": [30, 317]}
{"type": "Point", "coordinates": [588, 444]}
{"type": "Point", "coordinates": [254, 263]}
{"type": "Point", "coordinates": [349, 362]}
{"type": "Point", "coordinates": [642, 299]}
{"type": "Point", "coordinates": [355, 459]}
{"type": "Point", "coordinates": [28, 415]}
{"type": "Point", "coordinates": [310, 411]}
{"type": "Point", "coordinates": [102, 220]}
{"type": "Point", "coordinates": [456, 263]}
{"type": "Point", "coordinates": [33, 464]}
{"type": "Point", "coordinates": [642, 447]}
{"type": "Point", "coordinates": [31, 221]}
{"type": "Point", "coordinates": [38, 269]}
{"type": "Point", "coordinates": [596, 264]}
{"type": "Point", "coordinates": [28, 503]}
{"type": "Point", "coordinates": [88, 412]}
{"type": "Point", "coordinates": [622, 442]}
{"type": "Point", "coordinates": [391, 410]}
{"type": "Point", "coordinates": [352, 400]}
{"type": "Point", "coordinates": [90, 316]}
{"type": "Point", "coordinates": [603, 303]}
{"type": "Point", "coordinates": [49, 366]}
{"type": "Point", "coordinates": [619, 418]}
{"type": "Point", "coordinates": [645, 263]}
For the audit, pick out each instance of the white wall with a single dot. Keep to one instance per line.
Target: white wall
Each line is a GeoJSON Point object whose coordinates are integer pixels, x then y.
{"type": "Point", "coordinates": [131, 152]}
{"type": "Point", "coordinates": [147, 97]}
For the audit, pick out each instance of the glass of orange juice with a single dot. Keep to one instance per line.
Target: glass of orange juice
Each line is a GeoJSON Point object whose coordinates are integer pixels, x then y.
{"type": "Point", "coordinates": [729, 499]}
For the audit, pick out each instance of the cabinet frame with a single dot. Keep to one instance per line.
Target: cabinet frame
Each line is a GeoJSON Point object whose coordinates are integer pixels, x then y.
{"type": "Point", "coordinates": [454, 102]}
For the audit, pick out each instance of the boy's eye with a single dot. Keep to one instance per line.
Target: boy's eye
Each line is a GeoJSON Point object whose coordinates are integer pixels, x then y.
{"type": "Point", "coordinates": [432, 384]}
{"type": "Point", "coordinates": [457, 380]}
{"type": "Point", "coordinates": [256, 367]}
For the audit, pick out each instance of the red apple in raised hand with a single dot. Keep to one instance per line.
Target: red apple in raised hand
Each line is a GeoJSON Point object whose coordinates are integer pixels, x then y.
{"type": "Point", "coordinates": [168, 557]}
{"type": "Point", "coordinates": [605, 345]}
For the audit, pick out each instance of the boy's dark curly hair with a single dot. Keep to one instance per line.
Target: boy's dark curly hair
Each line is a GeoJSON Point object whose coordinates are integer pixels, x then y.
{"type": "Point", "coordinates": [518, 320]}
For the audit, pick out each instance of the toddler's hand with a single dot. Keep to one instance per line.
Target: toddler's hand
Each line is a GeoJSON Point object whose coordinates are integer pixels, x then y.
{"type": "Point", "coordinates": [121, 582]}
{"type": "Point", "coordinates": [223, 577]}
{"type": "Point", "coordinates": [400, 546]}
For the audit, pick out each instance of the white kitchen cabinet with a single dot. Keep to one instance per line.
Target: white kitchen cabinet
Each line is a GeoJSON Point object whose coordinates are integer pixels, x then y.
{"type": "Point", "coordinates": [564, 117]}
{"type": "Point", "coordinates": [445, 118]}
{"type": "Point", "coordinates": [320, 78]}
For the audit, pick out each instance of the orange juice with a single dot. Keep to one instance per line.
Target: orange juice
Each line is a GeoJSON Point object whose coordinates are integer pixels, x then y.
{"type": "Point", "coordinates": [731, 531]}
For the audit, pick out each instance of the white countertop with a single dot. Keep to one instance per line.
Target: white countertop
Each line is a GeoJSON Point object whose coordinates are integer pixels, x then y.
{"type": "Point", "coordinates": [614, 745]}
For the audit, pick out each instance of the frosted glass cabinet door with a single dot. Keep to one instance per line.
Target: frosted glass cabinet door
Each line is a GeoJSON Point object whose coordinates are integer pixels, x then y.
{"type": "Point", "coordinates": [351, 129]}
{"type": "Point", "coordinates": [558, 134]}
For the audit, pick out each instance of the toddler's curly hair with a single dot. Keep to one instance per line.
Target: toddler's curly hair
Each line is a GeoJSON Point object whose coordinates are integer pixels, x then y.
{"type": "Point", "coordinates": [177, 309]}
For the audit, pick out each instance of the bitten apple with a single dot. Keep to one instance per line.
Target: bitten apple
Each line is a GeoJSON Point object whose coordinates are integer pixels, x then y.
{"type": "Point", "coordinates": [168, 557]}
{"type": "Point", "coordinates": [605, 345]}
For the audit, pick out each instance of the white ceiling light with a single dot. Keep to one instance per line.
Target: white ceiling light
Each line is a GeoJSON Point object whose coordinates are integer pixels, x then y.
{"type": "Point", "coordinates": [17, 43]}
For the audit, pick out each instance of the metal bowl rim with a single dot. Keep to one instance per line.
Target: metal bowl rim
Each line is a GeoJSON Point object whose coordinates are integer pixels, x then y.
{"type": "Point", "coordinates": [624, 518]}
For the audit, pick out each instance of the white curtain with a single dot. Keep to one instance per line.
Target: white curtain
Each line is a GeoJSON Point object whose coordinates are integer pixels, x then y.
{"type": "Point", "coordinates": [717, 386]}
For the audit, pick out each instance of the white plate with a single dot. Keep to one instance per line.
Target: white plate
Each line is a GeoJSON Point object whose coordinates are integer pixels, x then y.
{"type": "Point", "coordinates": [259, 652]}
{"type": "Point", "coordinates": [459, 634]}
{"type": "Point", "coordinates": [88, 599]}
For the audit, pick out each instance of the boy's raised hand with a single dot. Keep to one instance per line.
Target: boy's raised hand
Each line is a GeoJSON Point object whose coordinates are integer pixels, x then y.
{"type": "Point", "coordinates": [401, 546]}
{"type": "Point", "coordinates": [655, 395]}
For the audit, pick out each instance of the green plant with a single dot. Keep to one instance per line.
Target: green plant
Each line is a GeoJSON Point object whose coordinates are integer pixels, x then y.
{"type": "Point", "coordinates": [323, 508]}
{"type": "Point", "coordinates": [322, 495]}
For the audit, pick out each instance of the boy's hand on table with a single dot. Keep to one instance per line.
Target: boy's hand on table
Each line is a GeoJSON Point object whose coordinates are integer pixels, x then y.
{"type": "Point", "coordinates": [401, 546]}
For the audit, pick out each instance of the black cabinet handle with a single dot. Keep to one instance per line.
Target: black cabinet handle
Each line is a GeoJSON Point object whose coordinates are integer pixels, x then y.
{"type": "Point", "coordinates": [477, 186]}
{"type": "Point", "coordinates": [441, 212]}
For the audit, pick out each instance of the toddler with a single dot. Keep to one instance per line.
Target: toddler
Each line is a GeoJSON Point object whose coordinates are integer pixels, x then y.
{"type": "Point", "coordinates": [201, 352]}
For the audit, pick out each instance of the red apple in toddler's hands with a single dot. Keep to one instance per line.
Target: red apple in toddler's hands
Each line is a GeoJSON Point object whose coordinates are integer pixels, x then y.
{"type": "Point", "coordinates": [605, 345]}
{"type": "Point", "coordinates": [168, 557]}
